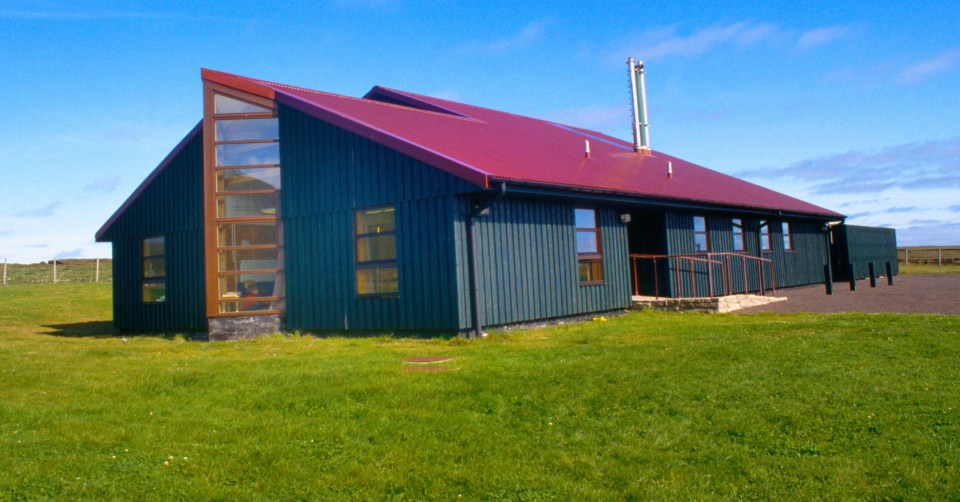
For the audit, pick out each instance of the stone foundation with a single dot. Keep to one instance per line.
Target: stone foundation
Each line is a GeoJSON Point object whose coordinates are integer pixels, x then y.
{"type": "Point", "coordinates": [718, 304]}
{"type": "Point", "coordinates": [243, 327]}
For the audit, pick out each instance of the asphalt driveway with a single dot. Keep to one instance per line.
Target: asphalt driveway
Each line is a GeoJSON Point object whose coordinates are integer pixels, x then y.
{"type": "Point", "coordinates": [926, 294]}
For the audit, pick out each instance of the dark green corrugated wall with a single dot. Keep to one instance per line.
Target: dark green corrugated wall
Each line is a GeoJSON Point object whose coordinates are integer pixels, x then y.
{"type": "Point", "coordinates": [860, 246]}
{"type": "Point", "coordinates": [328, 173]}
{"type": "Point", "coordinates": [803, 265]}
{"type": "Point", "coordinates": [527, 263]}
{"type": "Point", "coordinates": [171, 206]}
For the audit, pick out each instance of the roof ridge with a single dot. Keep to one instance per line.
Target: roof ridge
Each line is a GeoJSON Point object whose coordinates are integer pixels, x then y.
{"type": "Point", "coordinates": [363, 100]}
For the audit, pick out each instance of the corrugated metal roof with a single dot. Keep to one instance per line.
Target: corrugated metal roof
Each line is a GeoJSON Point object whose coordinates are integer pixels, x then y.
{"type": "Point", "coordinates": [483, 145]}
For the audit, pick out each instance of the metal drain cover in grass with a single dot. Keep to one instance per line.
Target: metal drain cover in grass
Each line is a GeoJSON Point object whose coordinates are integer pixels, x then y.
{"type": "Point", "coordinates": [427, 363]}
{"type": "Point", "coordinates": [427, 359]}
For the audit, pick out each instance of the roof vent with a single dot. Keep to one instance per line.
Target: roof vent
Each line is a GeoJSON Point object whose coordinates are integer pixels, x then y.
{"type": "Point", "coordinates": [638, 99]}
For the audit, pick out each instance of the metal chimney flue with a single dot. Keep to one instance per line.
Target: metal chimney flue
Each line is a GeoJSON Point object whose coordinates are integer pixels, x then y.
{"type": "Point", "coordinates": [638, 99]}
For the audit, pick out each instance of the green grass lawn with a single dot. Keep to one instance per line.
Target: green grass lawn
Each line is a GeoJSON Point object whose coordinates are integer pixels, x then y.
{"type": "Point", "coordinates": [647, 405]}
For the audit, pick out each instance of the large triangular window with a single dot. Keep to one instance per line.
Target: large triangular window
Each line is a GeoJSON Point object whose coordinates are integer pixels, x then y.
{"type": "Point", "coordinates": [223, 104]}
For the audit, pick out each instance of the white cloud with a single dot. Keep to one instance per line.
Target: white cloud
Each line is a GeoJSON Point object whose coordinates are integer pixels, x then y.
{"type": "Point", "coordinates": [920, 71]}
{"type": "Point", "coordinates": [40, 212]}
{"type": "Point", "coordinates": [528, 35]}
{"type": "Point", "coordinates": [822, 36]}
{"type": "Point", "coordinates": [667, 41]}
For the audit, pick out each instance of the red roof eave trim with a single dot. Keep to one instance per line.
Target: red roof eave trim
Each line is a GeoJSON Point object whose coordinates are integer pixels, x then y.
{"type": "Point", "coordinates": [237, 82]}
{"type": "Point", "coordinates": [197, 129]}
{"type": "Point", "coordinates": [421, 153]}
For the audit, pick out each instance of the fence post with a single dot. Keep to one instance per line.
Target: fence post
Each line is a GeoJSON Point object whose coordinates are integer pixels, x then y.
{"type": "Point", "coordinates": [828, 279]}
{"type": "Point", "coordinates": [873, 275]}
{"type": "Point", "coordinates": [4, 272]}
{"type": "Point", "coordinates": [54, 270]}
{"type": "Point", "coordinates": [906, 258]}
{"type": "Point", "coordinates": [97, 275]}
{"type": "Point", "coordinates": [939, 258]}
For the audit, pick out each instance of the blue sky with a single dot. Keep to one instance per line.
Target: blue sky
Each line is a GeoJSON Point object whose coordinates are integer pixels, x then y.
{"type": "Point", "coordinates": [850, 105]}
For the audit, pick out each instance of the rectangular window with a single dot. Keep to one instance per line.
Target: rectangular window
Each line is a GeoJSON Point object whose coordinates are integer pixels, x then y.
{"type": "Point", "coordinates": [787, 237]}
{"type": "Point", "coordinates": [701, 238]}
{"type": "Point", "coordinates": [738, 235]}
{"type": "Point", "coordinates": [376, 251]}
{"type": "Point", "coordinates": [153, 270]}
{"type": "Point", "coordinates": [589, 252]}
{"type": "Point", "coordinates": [764, 236]}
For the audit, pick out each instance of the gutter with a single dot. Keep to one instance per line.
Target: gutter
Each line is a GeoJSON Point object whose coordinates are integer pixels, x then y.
{"type": "Point", "coordinates": [480, 207]}
{"type": "Point", "coordinates": [549, 191]}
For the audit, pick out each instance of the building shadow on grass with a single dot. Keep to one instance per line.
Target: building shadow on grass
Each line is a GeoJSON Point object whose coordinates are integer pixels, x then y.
{"type": "Point", "coordinates": [105, 329]}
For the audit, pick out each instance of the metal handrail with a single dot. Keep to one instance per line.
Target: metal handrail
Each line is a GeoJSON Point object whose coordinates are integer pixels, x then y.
{"type": "Point", "coordinates": [721, 259]}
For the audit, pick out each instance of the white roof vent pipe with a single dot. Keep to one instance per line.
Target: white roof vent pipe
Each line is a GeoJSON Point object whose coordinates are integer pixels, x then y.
{"type": "Point", "coordinates": [638, 98]}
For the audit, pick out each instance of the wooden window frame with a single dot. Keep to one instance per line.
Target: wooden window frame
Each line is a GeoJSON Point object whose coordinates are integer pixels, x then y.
{"type": "Point", "coordinates": [705, 232]}
{"type": "Point", "coordinates": [593, 259]}
{"type": "Point", "coordinates": [787, 234]}
{"type": "Point", "coordinates": [738, 229]}
{"type": "Point", "coordinates": [215, 301]}
{"type": "Point", "coordinates": [766, 243]}
{"type": "Point", "coordinates": [374, 264]}
{"type": "Point", "coordinates": [161, 279]}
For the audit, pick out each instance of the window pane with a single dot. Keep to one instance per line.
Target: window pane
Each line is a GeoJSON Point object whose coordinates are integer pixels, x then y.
{"type": "Point", "coordinates": [248, 154]}
{"type": "Point", "coordinates": [381, 280]}
{"type": "Point", "coordinates": [764, 236]}
{"type": "Point", "coordinates": [247, 129]}
{"type": "Point", "coordinates": [247, 234]}
{"type": "Point", "coordinates": [373, 221]}
{"type": "Point", "coordinates": [247, 259]}
{"type": "Point", "coordinates": [377, 248]}
{"type": "Point", "coordinates": [738, 241]}
{"type": "Point", "coordinates": [154, 292]}
{"type": "Point", "coordinates": [223, 104]}
{"type": "Point", "coordinates": [153, 267]}
{"type": "Point", "coordinates": [587, 241]}
{"type": "Point", "coordinates": [787, 244]}
{"type": "Point", "coordinates": [590, 271]}
{"type": "Point", "coordinates": [737, 224]}
{"type": "Point", "coordinates": [248, 179]}
{"type": "Point", "coordinates": [585, 218]}
{"type": "Point", "coordinates": [699, 224]}
{"type": "Point", "coordinates": [232, 206]}
{"type": "Point", "coordinates": [247, 286]}
{"type": "Point", "coordinates": [153, 246]}
{"type": "Point", "coordinates": [700, 242]}
{"type": "Point", "coordinates": [252, 305]}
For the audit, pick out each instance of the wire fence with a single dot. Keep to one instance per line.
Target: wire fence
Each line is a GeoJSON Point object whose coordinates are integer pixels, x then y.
{"type": "Point", "coordinates": [929, 255]}
{"type": "Point", "coordinates": [58, 270]}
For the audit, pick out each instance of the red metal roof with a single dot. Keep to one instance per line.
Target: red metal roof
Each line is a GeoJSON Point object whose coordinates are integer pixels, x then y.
{"type": "Point", "coordinates": [483, 145]}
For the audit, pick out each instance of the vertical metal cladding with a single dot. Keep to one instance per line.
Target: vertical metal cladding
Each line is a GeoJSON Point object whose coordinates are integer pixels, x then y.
{"type": "Point", "coordinates": [527, 262]}
{"type": "Point", "coordinates": [328, 174]}
{"type": "Point", "coordinates": [860, 246]}
{"type": "Point", "coordinates": [802, 265]}
{"type": "Point", "coordinates": [171, 206]}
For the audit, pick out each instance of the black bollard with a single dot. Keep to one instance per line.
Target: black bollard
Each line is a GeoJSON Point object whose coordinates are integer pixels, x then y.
{"type": "Point", "coordinates": [827, 279]}
{"type": "Point", "coordinates": [889, 274]}
{"type": "Point", "coordinates": [853, 277]}
{"type": "Point", "coordinates": [873, 275]}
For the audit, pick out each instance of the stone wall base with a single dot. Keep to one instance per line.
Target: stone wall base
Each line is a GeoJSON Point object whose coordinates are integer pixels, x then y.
{"type": "Point", "coordinates": [721, 304]}
{"type": "Point", "coordinates": [243, 327]}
